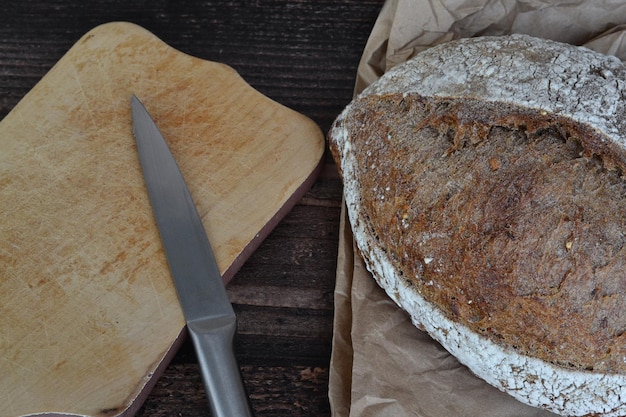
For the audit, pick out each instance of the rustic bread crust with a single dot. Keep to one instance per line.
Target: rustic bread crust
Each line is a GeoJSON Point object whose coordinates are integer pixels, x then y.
{"type": "Point", "coordinates": [529, 108]}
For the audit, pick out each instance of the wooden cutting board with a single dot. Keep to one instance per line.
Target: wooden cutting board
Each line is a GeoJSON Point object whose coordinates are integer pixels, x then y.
{"type": "Point", "coordinates": [88, 313]}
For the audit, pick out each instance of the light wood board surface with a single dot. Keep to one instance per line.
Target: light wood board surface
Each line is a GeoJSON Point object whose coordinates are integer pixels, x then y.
{"type": "Point", "coordinates": [88, 312]}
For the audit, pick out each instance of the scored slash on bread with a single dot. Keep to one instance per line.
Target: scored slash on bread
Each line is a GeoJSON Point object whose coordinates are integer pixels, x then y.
{"type": "Point", "coordinates": [483, 182]}
{"type": "Point", "coordinates": [554, 79]}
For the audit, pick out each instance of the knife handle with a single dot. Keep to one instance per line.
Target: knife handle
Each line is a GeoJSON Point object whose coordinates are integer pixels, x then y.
{"type": "Point", "coordinates": [213, 341]}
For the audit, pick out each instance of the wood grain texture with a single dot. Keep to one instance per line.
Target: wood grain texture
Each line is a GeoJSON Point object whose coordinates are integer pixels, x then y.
{"type": "Point", "coordinates": [302, 54]}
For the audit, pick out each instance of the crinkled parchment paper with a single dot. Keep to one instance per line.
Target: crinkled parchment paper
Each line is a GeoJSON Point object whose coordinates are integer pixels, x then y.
{"type": "Point", "coordinates": [381, 364]}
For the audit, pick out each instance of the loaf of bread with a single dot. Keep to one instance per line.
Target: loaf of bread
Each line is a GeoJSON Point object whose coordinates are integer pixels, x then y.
{"type": "Point", "coordinates": [484, 186]}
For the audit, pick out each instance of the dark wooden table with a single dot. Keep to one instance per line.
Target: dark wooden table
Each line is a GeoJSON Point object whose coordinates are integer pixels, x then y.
{"type": "Point", "coordinates": [301, 53]}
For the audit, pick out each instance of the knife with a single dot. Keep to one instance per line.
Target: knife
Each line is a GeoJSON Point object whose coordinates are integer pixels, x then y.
{"type": "Point", "coordinates": [209, 315]}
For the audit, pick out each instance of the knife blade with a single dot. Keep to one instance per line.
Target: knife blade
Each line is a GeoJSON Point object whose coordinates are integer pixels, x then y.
{"type": "Point", "coordinates": [210, 318]}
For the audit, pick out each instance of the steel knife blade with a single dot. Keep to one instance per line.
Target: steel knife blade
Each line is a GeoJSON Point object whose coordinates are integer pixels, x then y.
{"type": "Point", "coordinates": [210, 318]}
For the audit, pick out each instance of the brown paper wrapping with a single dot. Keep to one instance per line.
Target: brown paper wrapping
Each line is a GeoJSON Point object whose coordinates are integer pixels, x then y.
{"type": "Point", "coordinates": [382, 365]}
